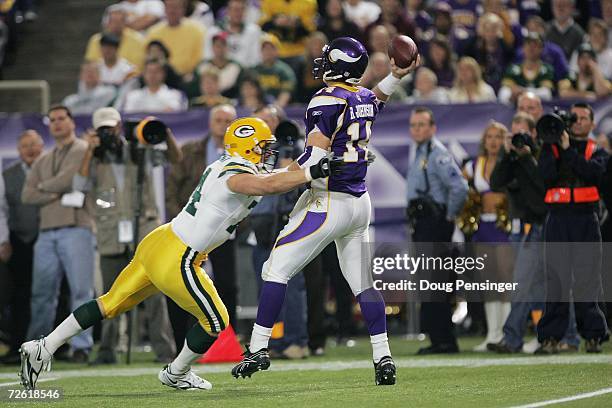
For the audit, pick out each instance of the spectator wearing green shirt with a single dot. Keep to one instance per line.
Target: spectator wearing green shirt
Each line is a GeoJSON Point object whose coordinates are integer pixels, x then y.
{"type": "Point", "coordinates": [277, 79]}
{"type": "Point", "coordinates": [532, 75]}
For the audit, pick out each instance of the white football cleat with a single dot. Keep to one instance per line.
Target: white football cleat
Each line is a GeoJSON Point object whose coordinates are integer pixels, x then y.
{"type": "Point", "coordinates": [34, 359]}
{"type": "Point", "coordinates": [531, 346]}
{"type": "Point", "coordinates": [184, 381]}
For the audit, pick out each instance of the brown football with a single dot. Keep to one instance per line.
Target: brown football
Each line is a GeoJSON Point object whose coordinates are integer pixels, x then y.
{"type": "Point", "coordinates": [403, 50]}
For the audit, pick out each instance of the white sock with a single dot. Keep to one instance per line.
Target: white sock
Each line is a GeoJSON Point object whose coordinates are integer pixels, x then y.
{"type": "Point", "coordinates": [182, 362]}
{"type": "Point", "coordinates": [380, 346]}
{"type": "Point", "coordinates": [62, 333]}
{"type": "Point", "coordinates": [259, 338]}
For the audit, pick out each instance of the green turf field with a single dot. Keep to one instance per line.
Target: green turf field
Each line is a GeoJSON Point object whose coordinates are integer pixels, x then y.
{"type": "Point", "coordinates": [343, 378]}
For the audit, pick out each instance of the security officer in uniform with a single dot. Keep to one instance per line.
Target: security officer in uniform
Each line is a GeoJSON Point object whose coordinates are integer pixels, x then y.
{"type": "Point", "coordinates": [572, 169]}
{"type": "Point", "coordinates": [436, 193]}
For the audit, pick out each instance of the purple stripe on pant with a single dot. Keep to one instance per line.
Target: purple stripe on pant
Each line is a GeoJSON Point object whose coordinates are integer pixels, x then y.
{"type": "Point", "coordinates": [310, 224]}
{"type": "Point", "coordinates": [488, 232]}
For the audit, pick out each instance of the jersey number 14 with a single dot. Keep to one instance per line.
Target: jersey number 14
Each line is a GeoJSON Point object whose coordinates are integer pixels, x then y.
{"type": "Point", "coordinates": [356, 143]}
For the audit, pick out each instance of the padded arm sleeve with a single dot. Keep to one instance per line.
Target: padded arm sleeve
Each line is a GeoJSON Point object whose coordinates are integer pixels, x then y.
{"type": "Point", "coordinates": [311, 155]}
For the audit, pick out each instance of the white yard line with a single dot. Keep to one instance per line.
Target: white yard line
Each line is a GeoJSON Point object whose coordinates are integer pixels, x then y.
{"type": "Point", "coordinates": [414, 363]}
{"type": "Point", "coordinates": [19, 382]}
{"type": "Point", "coordinates": [567, 399]}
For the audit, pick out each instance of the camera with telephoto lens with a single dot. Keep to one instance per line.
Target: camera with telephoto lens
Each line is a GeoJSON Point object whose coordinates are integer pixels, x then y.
{"type": "Point", "coordinates": [289, 140]}
{"type": "Point", "coordinates": [149, 131]}
{"type": "Point", "coordinates": [522, 139]}
{"type": "Point", "coordinates": [106, 134]}
{"type": "Point", "coordinates": [552, 125]}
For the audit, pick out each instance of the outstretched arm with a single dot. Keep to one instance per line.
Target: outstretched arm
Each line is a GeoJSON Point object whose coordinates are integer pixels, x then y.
{"type": "Point", "coordinates": [385, 88]}
{"type": "Point", "coordinates": [259, 185]}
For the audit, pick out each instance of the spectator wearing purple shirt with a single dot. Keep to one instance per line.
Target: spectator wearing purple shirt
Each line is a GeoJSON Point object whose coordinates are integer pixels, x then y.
{"type": "Point", "coordinates": [527, 9]}
{"type": "Point", "coordinates": [443, 26]}
{"type": "Point", "coordinates": [464, 13]}
{"type": "Point", "coordinates": [393, 16]}
{"type": "Point", "coordinates": [415, 10]}
{"type": "Point", "coordinates": [490, 50]}
{"type": "Point", "coordinates": [440, 59]}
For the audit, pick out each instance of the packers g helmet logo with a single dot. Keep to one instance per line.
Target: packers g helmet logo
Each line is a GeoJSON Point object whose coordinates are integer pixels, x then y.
{"type": "Point", "coordinates": [244, 131]}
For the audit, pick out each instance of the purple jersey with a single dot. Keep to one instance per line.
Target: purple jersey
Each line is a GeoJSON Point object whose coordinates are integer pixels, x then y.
{"type": "Point", "coordinates": [345, 115]}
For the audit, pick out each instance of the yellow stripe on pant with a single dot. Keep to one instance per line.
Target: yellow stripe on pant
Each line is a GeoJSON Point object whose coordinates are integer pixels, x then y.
{"type": "Point", "coordinates": [164, 263]}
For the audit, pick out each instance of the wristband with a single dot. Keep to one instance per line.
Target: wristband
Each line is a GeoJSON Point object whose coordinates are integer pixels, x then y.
{"type": "Point", "coordinates": [387, 84]}
{"type": "Point", "coordinates": [307, 174]}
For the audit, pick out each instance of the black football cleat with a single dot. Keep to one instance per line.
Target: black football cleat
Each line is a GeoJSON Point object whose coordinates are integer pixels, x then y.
{"type": "Point", "coordinates": [251, 363]}
{"type": "Point", "coordinates": [593, 346]}
{"type": "Point", "coordinates": [548, 347]}
{"type": "Point", "coordinates": [384, 371]}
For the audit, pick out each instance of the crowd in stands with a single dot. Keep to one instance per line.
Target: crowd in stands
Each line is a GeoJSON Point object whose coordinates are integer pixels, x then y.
{"type": "Point", "coordinates": [252, 53]}
{"type": "Point", "coordinates": [13, 13]}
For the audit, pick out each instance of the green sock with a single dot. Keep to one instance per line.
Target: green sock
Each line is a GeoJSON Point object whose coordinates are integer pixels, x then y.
{"type": "Point", "coordinates": [197, 342]}
{"type": "Point", "coordinates": [88, 314]}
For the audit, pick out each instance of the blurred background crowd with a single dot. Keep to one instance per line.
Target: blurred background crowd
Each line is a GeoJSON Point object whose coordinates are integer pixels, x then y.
{"type": "Point", "coordinates": [178, 54]}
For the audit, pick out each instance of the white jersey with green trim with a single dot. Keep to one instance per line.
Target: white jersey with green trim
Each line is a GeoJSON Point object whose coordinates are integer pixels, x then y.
{"type": "Point", "coordinates": [213, 210]}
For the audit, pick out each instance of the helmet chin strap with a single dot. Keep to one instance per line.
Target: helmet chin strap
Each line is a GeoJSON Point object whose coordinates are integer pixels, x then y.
{"type": "Point", "coordinates": [328, 77]}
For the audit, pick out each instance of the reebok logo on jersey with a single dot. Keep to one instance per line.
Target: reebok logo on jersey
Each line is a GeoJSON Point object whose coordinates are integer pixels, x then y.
{"type": "Point", "coordinates": [244, 131]}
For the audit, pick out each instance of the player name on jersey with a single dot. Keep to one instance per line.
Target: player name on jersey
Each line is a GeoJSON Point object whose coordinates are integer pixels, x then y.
{"type": "Point", "coordinates": [362, 111]}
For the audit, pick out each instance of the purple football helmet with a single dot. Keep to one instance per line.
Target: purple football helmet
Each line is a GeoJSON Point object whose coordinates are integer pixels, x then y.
{"type": "Point", "coordinates": [344, 59]}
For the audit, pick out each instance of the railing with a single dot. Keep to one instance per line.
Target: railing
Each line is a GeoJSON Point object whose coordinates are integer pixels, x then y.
{"type": "Point", "coordinates": [43, 86]}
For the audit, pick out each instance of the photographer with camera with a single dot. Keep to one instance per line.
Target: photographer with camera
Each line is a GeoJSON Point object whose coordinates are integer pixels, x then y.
{"type": "Point", "coordinates": [109, 172]}
{"type": "Point", "coordinates": [572, 168]}
{"type": "Point", "coordinates": [517, 172]}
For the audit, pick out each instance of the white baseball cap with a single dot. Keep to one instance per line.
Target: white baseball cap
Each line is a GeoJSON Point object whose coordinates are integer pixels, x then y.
{"type": "Point", "coordinates": [106, 117]}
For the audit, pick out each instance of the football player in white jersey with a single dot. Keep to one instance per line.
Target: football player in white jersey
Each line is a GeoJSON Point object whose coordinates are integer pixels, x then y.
{"type": "Point", "coordinates": [169, 258]}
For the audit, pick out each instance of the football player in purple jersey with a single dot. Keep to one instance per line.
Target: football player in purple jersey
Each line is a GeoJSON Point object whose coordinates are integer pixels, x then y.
{"type": "Point", "coordinates": [339, 122]}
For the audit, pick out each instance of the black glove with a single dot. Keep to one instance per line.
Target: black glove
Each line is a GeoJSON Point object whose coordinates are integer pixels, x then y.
{"type": "Point", "coordinates": [370, 157]}
{"type": "Point", "coordinates": [327, 167]}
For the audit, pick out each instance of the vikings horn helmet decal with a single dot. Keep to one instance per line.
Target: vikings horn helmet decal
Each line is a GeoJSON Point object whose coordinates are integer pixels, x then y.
{"type": "Point", "coordinates": [339, 55]}
{"type": "Point", "coordinates": [344, 59]}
